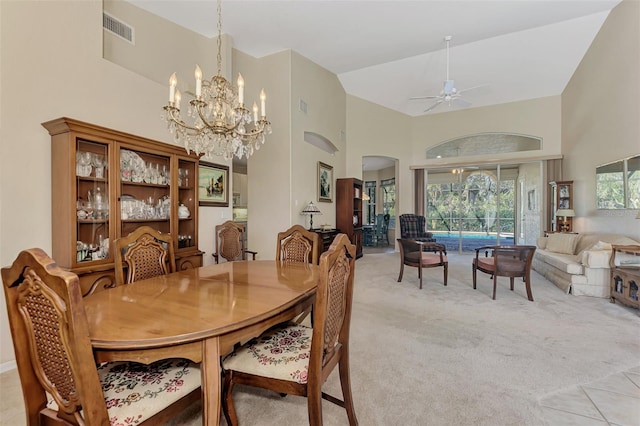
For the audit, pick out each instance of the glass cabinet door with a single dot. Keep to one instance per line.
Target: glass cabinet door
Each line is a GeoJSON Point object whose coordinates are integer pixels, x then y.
{"type": "Point", "coordinates": [187, 196]}
{"type": "Point", "coordinates": [92, 201]}
{"type": "Point", "coordinates": [145, 197]}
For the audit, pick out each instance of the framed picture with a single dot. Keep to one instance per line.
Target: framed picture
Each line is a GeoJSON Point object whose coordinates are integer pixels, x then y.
{"type": "Point", "coordinates": [325, 183]}
{"type": "Point", "coordinates": [531, 200]}
{"type": "Point", "coordinates": [213, 185]}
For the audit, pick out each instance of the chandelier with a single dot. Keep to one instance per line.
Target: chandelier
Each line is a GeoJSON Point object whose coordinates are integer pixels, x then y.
{"type": "Point", "coordinates": [217, 122]}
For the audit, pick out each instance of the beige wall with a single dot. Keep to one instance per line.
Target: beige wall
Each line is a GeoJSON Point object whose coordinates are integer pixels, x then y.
{"type": "Point", "coordinates": [600, 117]}
{"type": "Point", "coordinates": [326, 116]}
{"type": "Point", "coordinates": [268, 170]}
{"type": "Point", "coordinates": [537, 117]}
{"type": "Point", "coordinates": [373, 130]}
{"type": "Point", "coordinates": [53, 67]}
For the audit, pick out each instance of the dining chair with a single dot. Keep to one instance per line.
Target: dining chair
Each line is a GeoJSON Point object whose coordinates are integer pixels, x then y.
{"type": "Point", "coordinates": [298, 244]}
{"type": "Point", "coordinates": [229, 238]}
{"type": "Point", "coordinates": [422, 255]}
{"type": "Point", "coordinates": [146, 253]}
{"type": "Point", "coordinates": [505, 261]}
{"type": "Point", "coordinates": [297, 360]}
{"type": "Point", "coordinates": [61, 383]}
{"type": "Point", "coordinates": [382, 229]}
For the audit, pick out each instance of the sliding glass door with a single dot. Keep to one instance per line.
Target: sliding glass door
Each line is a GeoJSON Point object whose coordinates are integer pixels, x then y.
{"type": "Point", "coordinates": [471, 207]}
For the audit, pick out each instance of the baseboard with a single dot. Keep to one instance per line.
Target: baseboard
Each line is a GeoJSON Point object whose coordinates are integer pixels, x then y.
{"type": "Point", "coordinates": [8, 366]}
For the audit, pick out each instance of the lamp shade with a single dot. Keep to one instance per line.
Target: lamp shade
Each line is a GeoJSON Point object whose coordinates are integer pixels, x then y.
{"type": "Point", "coordinates": [311, 209]}
{"type": "Point", "coordinates": [565, 212]}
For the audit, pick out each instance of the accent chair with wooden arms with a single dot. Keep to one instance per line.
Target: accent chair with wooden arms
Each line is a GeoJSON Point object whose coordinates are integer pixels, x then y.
{"type": "Point", "coordinates": [61, 383]}
{"type": "Point", "coordinates": [505, 261]}
{"type": "Point", "coordinates": [422, 255]}
{"type": "Point", "coordinates": [297, 244]}
{"type": "Point", "coordinates": [297, 360]}
{"type": "Point", "coordinates": [146, 253]}
{"type": "Point", "coordinates": [229, 238]}
{"type": "Point", "coordinates": [412, 227]}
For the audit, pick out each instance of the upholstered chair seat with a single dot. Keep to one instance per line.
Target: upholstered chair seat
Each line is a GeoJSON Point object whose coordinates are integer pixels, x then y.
{"type": "Point", "coordinates": [281, 353]}
{"type": "Point", "coordinates": [136, 392]}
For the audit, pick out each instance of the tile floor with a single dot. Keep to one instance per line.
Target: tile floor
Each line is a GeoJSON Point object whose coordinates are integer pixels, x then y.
{"type": "Point", "coordinates": [614, 400]}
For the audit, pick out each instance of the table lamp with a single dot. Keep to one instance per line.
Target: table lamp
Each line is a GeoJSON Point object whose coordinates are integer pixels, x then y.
{"type": "Point", "coordinates": [311, 209]}
{"type": "Point", "coordinates": [565, 213]}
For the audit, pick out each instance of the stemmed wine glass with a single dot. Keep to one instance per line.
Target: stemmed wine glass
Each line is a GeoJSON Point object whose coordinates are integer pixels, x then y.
{"type": "Point", "coordinates": [99, 163]}
{"type": "Point", "coordinates": [83, 163]}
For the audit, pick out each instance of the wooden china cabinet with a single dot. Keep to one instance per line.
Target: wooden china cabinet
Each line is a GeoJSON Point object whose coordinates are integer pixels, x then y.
{"type": "Point", "coordinates": [105, 184]}
{"type": "Point", "coordinates": [349, 210]}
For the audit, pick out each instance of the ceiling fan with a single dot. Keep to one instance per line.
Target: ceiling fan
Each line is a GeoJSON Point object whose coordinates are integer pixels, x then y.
{"type": "Point", "coordinates": [449, 92]}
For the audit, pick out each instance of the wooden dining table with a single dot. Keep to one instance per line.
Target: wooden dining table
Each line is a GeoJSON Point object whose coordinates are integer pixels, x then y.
{"type": "Point", "coordinates": [198, 314]}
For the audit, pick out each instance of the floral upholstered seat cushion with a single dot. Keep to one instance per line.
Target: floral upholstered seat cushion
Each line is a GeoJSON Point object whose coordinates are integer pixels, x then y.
{"type": "Point", "coordinates": [135, 392]}
{"type": "Point", "coordinates": [282, 353]}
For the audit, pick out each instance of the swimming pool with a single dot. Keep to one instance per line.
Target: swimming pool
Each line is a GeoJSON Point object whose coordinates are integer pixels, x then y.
{"type": "Point", "coordinates": [470, 241]}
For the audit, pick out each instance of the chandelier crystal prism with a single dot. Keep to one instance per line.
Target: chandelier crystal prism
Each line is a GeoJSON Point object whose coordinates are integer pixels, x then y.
{"type": "Point", "coordinates": [217, 122]}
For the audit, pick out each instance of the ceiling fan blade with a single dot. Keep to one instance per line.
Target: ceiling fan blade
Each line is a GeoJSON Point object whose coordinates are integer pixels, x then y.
{"type": "Point", "coordinates": [459, 102]}
{"type": "Point", "coordinates": [482, 86]}
{"type": "Point", "coordinates": [424, 97]}
{"type": "Point", "coordinates": [433, 106]}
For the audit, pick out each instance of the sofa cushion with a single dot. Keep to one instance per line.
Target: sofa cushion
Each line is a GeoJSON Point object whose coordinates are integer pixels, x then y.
{"type": "Point", "coordinates": [563, 243]}
{"type": "Point", "coordinates": [563, 262]}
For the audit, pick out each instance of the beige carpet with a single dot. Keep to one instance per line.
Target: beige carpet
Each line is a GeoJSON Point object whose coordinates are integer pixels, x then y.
{"type": "Point", "coordinates": [452, 356]}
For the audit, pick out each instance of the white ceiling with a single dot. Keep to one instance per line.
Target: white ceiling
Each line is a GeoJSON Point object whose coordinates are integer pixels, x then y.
{"type": "Point", "coordinates": [389, 51]}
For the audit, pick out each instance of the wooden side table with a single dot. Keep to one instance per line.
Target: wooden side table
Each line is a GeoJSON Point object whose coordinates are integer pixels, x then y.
{"type": "Point", "coordinates": [625, 278]}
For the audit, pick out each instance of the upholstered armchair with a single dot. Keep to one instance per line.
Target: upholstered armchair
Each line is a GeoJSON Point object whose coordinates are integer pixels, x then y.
{"type": "Point", "coordinates": [412, 227]}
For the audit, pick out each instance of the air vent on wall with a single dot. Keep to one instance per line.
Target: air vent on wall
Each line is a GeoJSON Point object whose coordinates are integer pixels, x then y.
{"type": "Point", "coordinates": [118, 28]}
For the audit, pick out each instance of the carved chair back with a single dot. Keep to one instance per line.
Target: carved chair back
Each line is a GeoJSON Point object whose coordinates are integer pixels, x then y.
{"type": "Point", "coordinates": [229, 238]}
{"type": "Point", "coordinates": [146, 253]}
{"type": "Point", "coordinates": [297, 244]}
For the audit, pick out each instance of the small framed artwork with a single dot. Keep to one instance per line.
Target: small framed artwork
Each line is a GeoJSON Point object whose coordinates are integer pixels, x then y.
{"type": "Point", "coordinates": [325, 183]}
{"type": "Point", "coordinates": [531, 200]}
{"type": "Point", "coordinates": [213, 185]}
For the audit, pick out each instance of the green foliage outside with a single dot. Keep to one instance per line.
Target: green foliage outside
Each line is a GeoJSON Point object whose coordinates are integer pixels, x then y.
{"type": "Point", "coordinates": [471, 206]}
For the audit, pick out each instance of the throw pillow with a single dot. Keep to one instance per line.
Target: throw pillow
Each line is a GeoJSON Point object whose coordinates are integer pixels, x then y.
{"type": "Point", "coordinates": [601, 245]}
{"type": "Point", "coordinates": [563, 243]}
{"type": "Point", "coordinates": [542, 243]}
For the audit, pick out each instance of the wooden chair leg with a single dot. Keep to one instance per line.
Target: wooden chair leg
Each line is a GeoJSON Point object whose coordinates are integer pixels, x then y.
{"type": "Point", "coordinates": [511, 282]}
{"type": "Point", "coordinates": [401, 271]}
{"type": "Point", "coordinates": [228, 408]}
{"type": "Point", "coordinates": [420, 275]}
{"type": "Point", "coordinates": [494, 286]}
{"type": "Point", "coordinates": [314, 405]}
{"type": "Point", "coordinates": [345, 383]}
{"type": "Point", "coordinates": [527, 284]}
{"type": "Point", "coordinates": [474, 271]}
{"type": "Point", "coordinates": [446, 273]}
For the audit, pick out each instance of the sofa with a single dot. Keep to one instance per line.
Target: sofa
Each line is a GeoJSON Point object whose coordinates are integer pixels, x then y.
{"type": "Point", "coordinates": [579, 264]}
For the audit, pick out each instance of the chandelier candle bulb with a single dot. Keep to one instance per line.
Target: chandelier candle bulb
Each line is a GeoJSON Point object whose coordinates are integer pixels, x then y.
{"type": "Point", "coordinates": [173, 82]}
{"type": "Point", "coordinates": [198, 75]}
{"type": "Point", "coordinates": [263, 103]}
{"type": "Point", "coordinates": [255, 112]}
{"type": "Point", "coordinates": [178, 99]}
{"type": "Point", "coordinates": [240, 89]}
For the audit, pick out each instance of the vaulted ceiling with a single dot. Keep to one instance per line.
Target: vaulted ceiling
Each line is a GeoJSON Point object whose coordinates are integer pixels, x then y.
{"type": "Point", "coordinates": [389, 51]}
